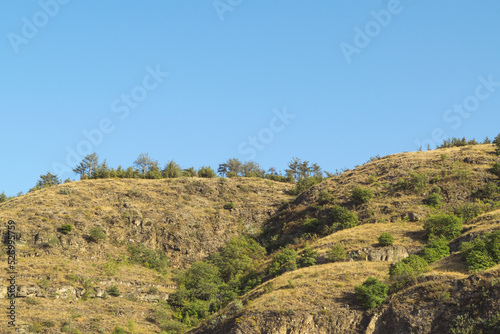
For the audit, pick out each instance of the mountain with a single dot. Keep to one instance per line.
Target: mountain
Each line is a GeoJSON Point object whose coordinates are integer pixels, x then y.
{"type": "Point", "coordinates": [123, 228]}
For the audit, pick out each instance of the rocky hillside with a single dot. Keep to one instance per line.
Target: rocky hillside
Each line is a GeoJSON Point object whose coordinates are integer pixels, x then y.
{"type": "Point", "coordinates": [110, 270]}
{"type": "Point", "coordinates": [321, 299]}
{"type": "Point", "coordinates": [63, 278]}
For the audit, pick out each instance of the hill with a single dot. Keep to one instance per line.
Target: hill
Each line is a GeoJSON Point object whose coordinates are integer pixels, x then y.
{"type": "Point", "coordinates": [64, 277]}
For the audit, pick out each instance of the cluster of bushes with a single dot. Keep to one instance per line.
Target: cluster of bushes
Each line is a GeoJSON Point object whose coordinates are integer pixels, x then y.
{"type": "Point", "coordinates": [371, 293]}
{"type": "Point", "coordinates": [337, 218]}
{"type": "Point", "coordinates": [210, 285]}
{"type": "Point", "coordinates": [361, 195]}
{"type": "Point", "coordinates": [441, 228]}
{"type": "Point", "coordinates": [287, 259]}
{"type": "Point", "coordinates": [483, 252]}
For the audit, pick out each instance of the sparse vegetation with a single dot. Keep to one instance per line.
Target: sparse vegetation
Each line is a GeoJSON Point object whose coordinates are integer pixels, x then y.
{"type": "Point", "coordinates": [336, 253]}
{"type": "Point", "coordinates": [97, 234]}
{"type": "Point", "coordinates": [65, 228]}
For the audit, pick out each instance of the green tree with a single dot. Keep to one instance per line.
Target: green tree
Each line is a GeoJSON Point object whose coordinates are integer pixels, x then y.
{"type": "Point", "coordinates": [190, 172]}
{"type": "Point", "coordinates": [252, 169]}
{"type": "Point", "coordinates": [144, 163]}
{"type": "Point", "coordinates": [371, 293]}
{"type": "Point", "coordinates": [47, 180]}
{"type": "Point", "coordinates": [172, 170]}
{"type": "Point", "coordinates": [496, 169]}
{"type": "Point", "coordinates": [307, 257]}
{"type": "Point", "coordinates": [3, 197]}
{"type": "Point", "coordinates": [87, 166]}
{"type": "Point", "coordinates": [443, 225]}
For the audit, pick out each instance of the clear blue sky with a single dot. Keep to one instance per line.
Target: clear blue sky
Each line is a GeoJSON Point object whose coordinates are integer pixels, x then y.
{"type": "Point", "coordinates": [79, 65]}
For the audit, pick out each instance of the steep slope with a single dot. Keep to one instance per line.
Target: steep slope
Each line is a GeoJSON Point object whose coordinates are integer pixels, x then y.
{"type": "Point", "coordinates": [320, 299]}
{"type": "Point", "coordinates": [62, 278]}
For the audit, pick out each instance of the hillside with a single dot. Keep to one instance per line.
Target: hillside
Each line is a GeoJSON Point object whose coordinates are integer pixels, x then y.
{"type": "Point", "coordinates": [62, 276]}
{"type": "Point", "coordinates": [185, 218]}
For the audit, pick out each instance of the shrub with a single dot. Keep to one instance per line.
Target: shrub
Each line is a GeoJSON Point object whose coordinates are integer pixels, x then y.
{"type": "Point", "coordinates": [324, 197]}
{"type": "Point", "coordinates": [343, 217]}
{"type": "Point", "coordinates": [386, 239]}
{"type": "Point", "coordinates": [468, 211]}
{"type": "Point", "coordinates": [206, 172]}
{"type": "Point", "coordinates": [336, 253]}
{"type": "Point", "coordinates": [407, 270]}
{"type": "Point", "coordinates": [229, 206]}
{"type": "Point", "coordinates": [119, 330]}
{"type": "Point", "coordinates": [65, 228]}
{"type": "Point", "coordinates": [488, 192]}
{"type": "Point", "coordinates": [360, 195]}
{"type": "Point", "coordinates": [436, 250]}
{"type": "Point", "coordinates": [433, 200]}
{"type": "Point", "coordinates": [496, 169]}
{"type": "Point", "coordinates": [3, 197]}
{"type": "Point", "coordinates": [443, 225]}
{"type": "Point", "coordinates": [311, 224]}
{"type": "Point", "coordinates": [283, 261]}
{"type": "Point", "coordinates": [97, 234]}
{"type": "Point", "coordinates": [64, 191]}
{"type": "Point", "coordinates": [308, 257]}
{"type": "Point", "coordinates": [483, 252]}
{"type": "Point", "coordinates": [371, 293]}
{"type": "Point", "coordinates": [113, 291]}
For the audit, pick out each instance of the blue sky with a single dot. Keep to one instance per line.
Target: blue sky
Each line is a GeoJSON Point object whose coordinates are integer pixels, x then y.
{"type": "Point", "coordinates": [349, 79]}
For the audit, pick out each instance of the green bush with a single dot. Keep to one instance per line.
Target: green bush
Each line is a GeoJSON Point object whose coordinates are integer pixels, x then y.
{"type": "Point", "coordinates": [489, 192]}
{"type": "Point", "coordinates": [443, 225]}
{"type": "Point", "coordinates": [468, 211]}
{"type": "Point", "coordinates": [435, 250]}
{"type": "Point", "coordinates": [386, 239]}
{"type": "Point", "coordinates": [433, 200]}
{"type": "Point", "coordinates": [65, 228]}
{"type": "Point", "coordinates": [336, 253]}
{"type": "Point", "coordinates": [361, 195]}
{"type": "Point", "coordinates": [283, 261]}
{"type": "Point", "coordinates": [113, 291]}
{"type": "Point", "coordinates": [229, 206]}
{"type": "Point", "coordinates": [97, 234]}
{"type": "Point", "coordinates": [324, 197]}
{"type": "Point", "coordinates": [206, 172]}
{"type": "Point", "coordinates": [119, 330]}
{"type": "Point", "coordinates": [371, 293]}
{"type": "Point", "coordinates": [496, 169]}
{"type": "Point", "coordinates": [343, 217]}
{"type": "Point", "coordinates": [312, 224]}
{"type": "Point", "coordinates": [407, 271]}
{"type": "Point", "coordinates": [483, 252]}
{"type": "Point", "coordinates": [64, 191]}
{"type": "Point", "coordinates": [307, 257]}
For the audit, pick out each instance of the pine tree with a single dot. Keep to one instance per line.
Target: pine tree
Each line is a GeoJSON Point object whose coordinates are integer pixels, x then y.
{"type": "Point", "coordinates": [143, 163]}
{"type": "Point", "coordinates": [88, 166]}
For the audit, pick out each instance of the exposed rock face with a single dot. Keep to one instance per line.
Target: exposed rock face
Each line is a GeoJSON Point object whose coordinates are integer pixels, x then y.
{"type": "Point", "coordinates": [391, 253]}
